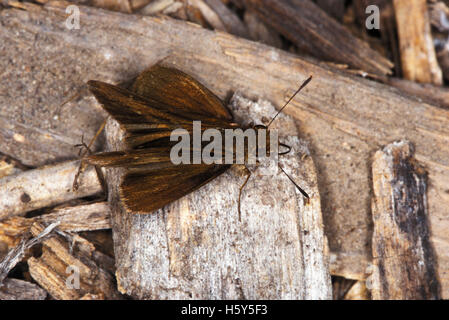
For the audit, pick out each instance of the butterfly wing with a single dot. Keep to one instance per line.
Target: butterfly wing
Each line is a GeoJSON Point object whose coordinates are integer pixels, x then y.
{"type": "Point", "coordinates": [129, 108]}
{"type": "Point", "coordinates": [178, 89]}
{"type": "Point", "coordinates": [145, 119]}
{"type": "Point", "coordinates": [145, 192]}
{"type": "Point", "coordinates": [161, 99]}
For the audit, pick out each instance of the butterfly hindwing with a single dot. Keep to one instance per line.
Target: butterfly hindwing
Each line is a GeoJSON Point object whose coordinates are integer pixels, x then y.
{"type": "Point", "coordinates": [148, 191]}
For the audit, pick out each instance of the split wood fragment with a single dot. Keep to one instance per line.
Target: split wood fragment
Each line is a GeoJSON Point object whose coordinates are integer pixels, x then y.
{"type": "Point", "coordinates": [85, 217]}
{"type": "Point", "coordinates": [418, 58]}
{"type": "Point", "coordinates": [404, 257]}
{"type": "Point", "coordinates": [16, 289]}
{"type": "Point", "coordinates": [312, 30]}
{"type": "Point", "coordinates": [78, 272]}
{"type": "Point", "coordinates": [16, 254]}
{"type": "Point", "coordinates": [43, 187]}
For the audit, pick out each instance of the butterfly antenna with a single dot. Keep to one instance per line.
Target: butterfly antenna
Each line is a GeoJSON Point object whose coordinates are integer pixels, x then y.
{"type": "Point", "coordinates": [296, 185]}
{"type": "Point", "coordinates": [291, 98]}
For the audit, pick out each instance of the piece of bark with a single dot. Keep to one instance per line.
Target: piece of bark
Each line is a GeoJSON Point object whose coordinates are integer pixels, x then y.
{"type": "Point", "coordinates": [429, 93]}
{"type": "Point", "coordinates": [418, 58]}
{"type": "Point", "coordinates": [358, 291]}
{"type": "Point", "coordinates": [57, 268]}
{"type": "Point", "coordinates": [403, 256]}
{"type": "Point", "coordinates": [345, 118]}
{"type": "Point", "coordinates": [16, 289]}
{"type": "Point", "coordinates": [156, 6]}
{"type": "Point", "coordinates": [87, 217]}
{"type": "Point", "coordinates": [439, 13]}
{"type": "Point", "coordinates": [196, 247]}
{"type": "Point", "coordinates": [46, 186]}
{"type": "Point", "coordinates": [230, 20]}
{"type": "Point", "coordinates": [138, 4]}
{"type": "Point", "coordinates": [259, 31]}
{"type": "Point", "coordinates": [114, 5]}
{"type": "Point", "coordinates": [312, 30]}
{"type": "Point", "coordinates": [334, 8]}
{"type": "Point", "coordinates": [199, 12]}
{"type": "Point", "coordinates": [176, 10]}
{"type": "Point", "coordinates": [16, 254]}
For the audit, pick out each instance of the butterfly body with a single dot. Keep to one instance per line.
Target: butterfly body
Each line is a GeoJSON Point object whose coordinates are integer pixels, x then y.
{"type": "Point", "coordinates": [161, 101]}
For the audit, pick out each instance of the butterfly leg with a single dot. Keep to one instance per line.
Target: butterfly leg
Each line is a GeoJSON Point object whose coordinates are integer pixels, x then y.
{"type": "Point", "coordinates": [75, 96]}
{"type": "Point", "coordinates": [82, 164]}
{"type": "Point", "coordinates": [248, 173]}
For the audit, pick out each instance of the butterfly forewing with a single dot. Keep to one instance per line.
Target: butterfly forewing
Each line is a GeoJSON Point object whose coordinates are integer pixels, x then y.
{"type": "Point", "coordinates": [181, 91]}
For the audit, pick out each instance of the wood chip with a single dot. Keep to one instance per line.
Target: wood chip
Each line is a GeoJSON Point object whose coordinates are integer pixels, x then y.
{"type": "Point", "coordinates": [156, 6]}
{"type": "Point", "coordinates": [313, 31]}
{"type": "Point", "coordinates": [72, 271]}
{"type": "Point", "coordinates": [114, 5]}
{"type": "Point", "coordinates": [16, 254]}
{"type": "Point", "coordinates": [418, 58]}
{"type": "Point", "coordinates": [16, 289]}
{"type": "Point", "coordinates": [43, 187]}
{"type": "Point", "coordinates": [87, 217]}
{"type": "Point", "coordinates": [404, 258]}
{"type": "Point", "coordinates": [230, 20]}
